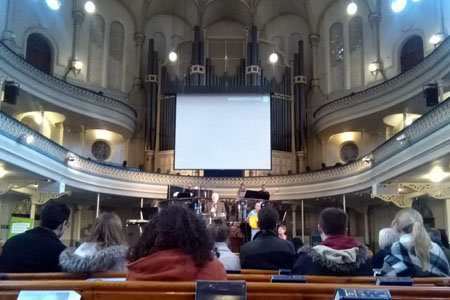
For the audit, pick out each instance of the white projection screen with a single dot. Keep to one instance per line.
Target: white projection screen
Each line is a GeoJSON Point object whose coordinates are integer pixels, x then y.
{"type": "Point", "coordinates": [223, 132]}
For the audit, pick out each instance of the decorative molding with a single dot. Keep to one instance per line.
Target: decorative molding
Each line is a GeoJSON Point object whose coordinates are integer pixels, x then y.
{"type": "Point", "coordinates": [435, 190]}
{"type": "Point", "coordinates": [399, 200]}
{"type": "Point", "coordinates": [197, 69]}
{"type": "Point", "coordinates": [388, 93]}
{"type": "Point", "coordinates": [43, 198]}
{"type": "Point", "coordinates": [46, 87]}
{"type": "Point", "coordinates": [151, 78]}
{"type": "Point", "coordinates": [253, 69]}
{"type": "Point", "coordinates": [300, 79]}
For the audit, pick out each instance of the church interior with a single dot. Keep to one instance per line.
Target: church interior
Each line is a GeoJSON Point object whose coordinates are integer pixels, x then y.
{"type": "Point", "coordinates": [354, 111]}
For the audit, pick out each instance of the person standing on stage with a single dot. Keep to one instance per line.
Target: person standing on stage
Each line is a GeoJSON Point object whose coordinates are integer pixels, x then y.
{"type": "Point", "coordinates": [264, 192]}
{"type": "Point", "coordinates": [215, 208]}
{"type": "Point", "coordinates": [254, 212]}
{"type": "Point", "coordinates": [241, 202]}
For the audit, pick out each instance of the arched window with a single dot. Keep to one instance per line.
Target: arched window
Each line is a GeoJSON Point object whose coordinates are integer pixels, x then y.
{"type": "Point", "coordinates": [96, 44]}
{"type": "Point", "coordinates": [356, 52]}
{"type": "Point", "coordinates": [39, 53]}
{"type": "Point", "coordinates": [337, 74]}
{"type": "Point", "coordinates": [115, 59]}
{"type": "Point", "coordinates": [412, 53]}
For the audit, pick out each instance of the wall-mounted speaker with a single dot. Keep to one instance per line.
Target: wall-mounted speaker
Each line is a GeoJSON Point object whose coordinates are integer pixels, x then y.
{"type": "Point", "coordinates": [431, 95]}
{"type": "Point", "coordinates": [11, 90]}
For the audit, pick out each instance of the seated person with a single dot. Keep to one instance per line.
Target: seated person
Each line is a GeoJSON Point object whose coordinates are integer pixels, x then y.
{"type": "Point", "coordinates": [435, 236]}
{"type": "Point", "coordinates": [337, 254]}
{"type": "Point", "coordinates": [267, 250]}
{"type": "Point", "coordinates": [174, 246]}
{"type": "Point", "coordinates": [281, 230]}
{"type": "Point", "coordinates": [386, 237]}
{"type": "Point", "coordinates": [214, 208]}
{"type": "Point", "coordinates": [38, 249]}
{"type": "Point", "coordinates": [219, 233]}
{"type": "Point", "coordinates": [104, 250]}
{"type": "Point", "coordinates": [414, 254]}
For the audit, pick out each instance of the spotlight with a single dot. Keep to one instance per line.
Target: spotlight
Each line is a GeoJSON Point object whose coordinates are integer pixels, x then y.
{"type": "Point", "coordinates": [436, 38]}
{"type": "Point", "coordinates": [374, 67]}
{"type": "Point", "coordinates": [273, 58]}
{"type": "Point", "coordinates": [173, 56]}
{"type": "Point", "coordinates": [77, 65]}
{"type": "Point", "coordinates": [53, 4]}
{"type": "Point", "coordinates": [89, 7]}
{"type": "Point", "coordinates": [352, 8]}
{"type": "Point", "coordinates": [436, 174]}
{"type": "Point", "coordinates": [398, 5]}
{"type": "Point", "coordinates": [26, 138]}
{"type": "Point", "coordinates": [367, 159]}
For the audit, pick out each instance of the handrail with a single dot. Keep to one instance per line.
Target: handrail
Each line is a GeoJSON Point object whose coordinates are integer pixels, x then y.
{"type": "Point", "coordinates": [386, 87]}
{"type": "Point", "coordinates": [17, 62]}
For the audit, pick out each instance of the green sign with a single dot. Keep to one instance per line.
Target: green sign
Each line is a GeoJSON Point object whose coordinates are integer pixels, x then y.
{"type": "Point", "coordinates": [19, 225]}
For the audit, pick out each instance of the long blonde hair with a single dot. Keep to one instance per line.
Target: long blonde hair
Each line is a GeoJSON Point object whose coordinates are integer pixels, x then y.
{"type": "Point", "coordinates": [107, 231]}
{"type": "Point", "coordinates": [409, 220]}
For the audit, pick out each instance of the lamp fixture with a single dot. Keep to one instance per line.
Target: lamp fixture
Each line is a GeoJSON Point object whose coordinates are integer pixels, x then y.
{"type": "Point", "coordinates": [53, 4]}
{"type": "Point", "coordinates": [367, 159]}
{"type": "Point", "coordinates": [89, 7]}
{"type": "Point", "coordinates": [398, 5]}
{"type": "Point", "coordinates": [26, 138]}
{"type": "Point", "coordinates": [273, 58]}
{"type": "Point", "coordinates": [173, 56]}
{"type": "Point", "coordinates": [374, 67]}
{"type": "Point", "coordinates": [352, 8]}
{"type": "Point", "coordinates": [436, 174]}
{"type": "Point", "coordinates": [436, 38]}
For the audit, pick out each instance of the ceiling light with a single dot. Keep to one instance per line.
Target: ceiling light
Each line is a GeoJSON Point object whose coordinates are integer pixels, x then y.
{"type": "Point", "coordinates": [436, 38]}
{"type": "Point", "coordinates": [436, 174]}
{"type": "Point", "coordinates": [408, 121]}
{"type": "Point", "coordinates": [2, 172]}
{"type": "Point", "coordinates": [173, 56]}
{"type": "Point", "coordinates": [273, 58]}
{"type": "Point", "coordinates": [77, 65]}
{"type": "Point", "coordinates": [398, 5]}
{"type": "Point", "coordinates": [352, 8]}
{"type": "Point", "coordinates": [38, 119]}
{"type": "Point", "coordinates": [29, 139]}
{"type": "Point", "coordinates": [89, 7]}
{"type": "Point", "coordinates": [53, 4]}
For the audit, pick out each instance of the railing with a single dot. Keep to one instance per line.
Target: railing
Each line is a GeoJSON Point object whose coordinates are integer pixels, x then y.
{"type": "Point", "coordinates": [431, 63]}
{"type": "Point", "coordinates": [11, 59]}
{"type": "Point", "coordinates": [429, 123]}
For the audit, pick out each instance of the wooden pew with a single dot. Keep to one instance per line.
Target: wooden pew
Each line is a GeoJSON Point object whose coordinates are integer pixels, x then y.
{"type": "Point", "coordinates": [140, 290]}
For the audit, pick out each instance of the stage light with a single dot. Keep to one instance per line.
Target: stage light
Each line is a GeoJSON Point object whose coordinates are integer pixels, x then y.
{"type": "Point", "coordinates": [398, 5]}
{"type": "Point", "coordinates": [89, 7]}
{"type": "Point", "coordinates": [273, 58]}
{"type": "Point", "coordinates": [352, 8]}
{"type": "Point", "coordinates": [53, 4]}
{"type": "Point", "coordinates": [173, 56]}
{"type": "Point", "coordinates": [436, 174]}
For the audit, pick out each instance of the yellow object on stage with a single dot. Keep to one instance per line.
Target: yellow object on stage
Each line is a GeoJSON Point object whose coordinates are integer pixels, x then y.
{"type": "Point", "coordinates": [253, 221]}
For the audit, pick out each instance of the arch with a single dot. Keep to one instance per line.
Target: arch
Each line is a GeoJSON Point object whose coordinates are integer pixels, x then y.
{"type": "Point", "coordinates": [116, 53]}
{"type": "Point", "coordinates": [96, 45]}
{"type": "Point", "coordinates": [411, 53]}
{"type": "Point", "coordinates": [39, 52]}
{"type": "Point", "coordinates": [337, 69]}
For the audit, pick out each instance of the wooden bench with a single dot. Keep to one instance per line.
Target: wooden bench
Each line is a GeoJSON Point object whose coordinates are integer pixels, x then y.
{"type": "Point", "coordinates": [140, 290]}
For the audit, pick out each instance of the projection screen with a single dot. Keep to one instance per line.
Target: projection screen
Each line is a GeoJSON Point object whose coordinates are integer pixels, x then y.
{"type": "Point", "coordinates": [223, 131]}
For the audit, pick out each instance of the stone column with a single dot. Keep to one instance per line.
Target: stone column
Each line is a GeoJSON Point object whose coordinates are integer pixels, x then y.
{"type": "Point", "coordinates": [294, 220]}
{"type": "Point", "coordinates": [78, 18]}
{"type": "Point", "coordinates": [366, 228]}
{"type": "Point", "coordinates": [148, 161]}
{"type": "Point", "coordinates": [374, 21]}
{"type": "Point", "coordinates": [139, 38]}
{"type": "Point", "coordinates": [301, 158]}
{"type": "Point", "coordinates": [314, 40]}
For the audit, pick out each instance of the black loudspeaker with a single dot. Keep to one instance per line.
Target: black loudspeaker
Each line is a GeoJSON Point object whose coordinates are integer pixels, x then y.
{"type": "Point", "coordinates": [431, 95]}
{"type": "Point", "coordinates": [11, 90]}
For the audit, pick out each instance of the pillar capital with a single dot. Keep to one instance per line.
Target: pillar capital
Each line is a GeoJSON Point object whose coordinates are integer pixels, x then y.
{"type": "Point", "coordinates": [139, 38]}
{"type": "Point", "coordinates": [314, 39]}
{"type": "Point", "coordinates": [78, 17]}
{"type": "Point", "coordinates": [374, 20]}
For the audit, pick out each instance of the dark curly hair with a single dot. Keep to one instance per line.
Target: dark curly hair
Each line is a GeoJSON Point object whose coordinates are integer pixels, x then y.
{"type": "Point", "coordinates": [175, 227]}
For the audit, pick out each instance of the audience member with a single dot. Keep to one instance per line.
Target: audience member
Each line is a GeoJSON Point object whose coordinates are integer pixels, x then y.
{"type": "Point", "coordinates": [298, 243]}
{"type": "Point", "coordinates": [386, 237]}
{"type": "Point", "coordinates": [414, 254]}
{"type": "Point", "coordinates": [219, 233]}
{"type": "Point", "coordinates": [267, 250]}
{"type": "Point", "coordinates": [337, 254]}
{"type": "Point", "coordinates": [444, 239]}
{"type": "Point", "coordinates": [174, 246]}
{"type": "Point", "coordinates": [38, 249]}
{"type": "Point", "coordinates": [435, 236]}
{"type": "Point", "coordinates": [104, 250]}
{"type": "Point", "coordinates": [281, 230]}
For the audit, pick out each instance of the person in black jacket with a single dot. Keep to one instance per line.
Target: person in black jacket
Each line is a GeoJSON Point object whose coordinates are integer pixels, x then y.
{"type": "Point", "coordinates": [337, 254]}
{"type": "Point", "coordinates": [38, 249]}
{"type": "Point", "coordinates": [267, 250]}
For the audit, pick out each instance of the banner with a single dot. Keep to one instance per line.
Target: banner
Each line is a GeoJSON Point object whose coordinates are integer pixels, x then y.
{"type": "Point", "coordinates": [19, 225]}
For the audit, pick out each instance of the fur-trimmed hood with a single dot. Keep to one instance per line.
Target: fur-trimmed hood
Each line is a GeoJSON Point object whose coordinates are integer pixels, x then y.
{"type": "Point", "coordinates": [346, 260]}
{"type": "Point", "coordinates": [100, 260]}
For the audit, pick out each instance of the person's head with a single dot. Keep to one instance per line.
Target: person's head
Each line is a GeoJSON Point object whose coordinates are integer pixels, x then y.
{"type": "Point", "coordinates": [409, 221]}
{"type": "Point", "coordinates": [386, 237]}
{"type": "Point", "coordinates": [189, 187]}
{"type": "Point", "coordinates": [332, 221]}
{"type": "Point", "coordinates": [218, 231]}
{"type": "Point", "coordinates": [268, 218]}
{"type": "Point", "coordinates": [281, 230]}
{"type": "Point", "coordinates": [215, 198]}
{"type": "Point", "coordinates": [55, 216]}
{"type": "Point", "coordinates": [263, 187]}
{"type": "Point", "coordinates": [258, 206]}
{"type": "Point", "coordinates": [298, 243]}
{"type": "Point", "coordinates": [107, 230]}
{"type": "Point", "coordinates": [242, 187]}
{"type": "Point", "coordinates": [174, 227]}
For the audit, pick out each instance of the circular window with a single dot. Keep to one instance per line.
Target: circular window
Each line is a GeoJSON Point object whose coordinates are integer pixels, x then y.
{"type": "Point", "coordinates": [101, 150]}
{"type": "Point", "coordinates": [349, 152]}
